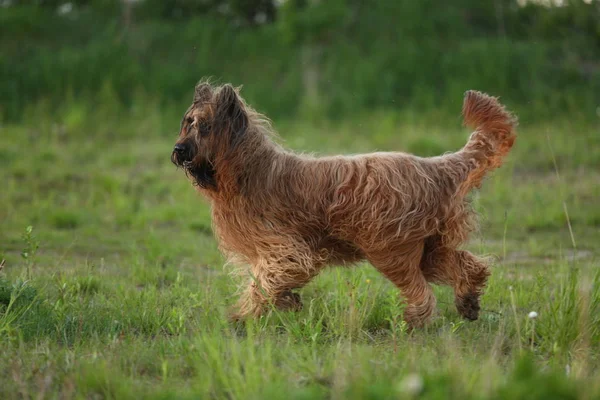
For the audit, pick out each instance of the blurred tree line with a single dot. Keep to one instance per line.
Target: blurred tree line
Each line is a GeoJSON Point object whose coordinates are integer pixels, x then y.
{"type": "Point", "coordinates": [329, 56]}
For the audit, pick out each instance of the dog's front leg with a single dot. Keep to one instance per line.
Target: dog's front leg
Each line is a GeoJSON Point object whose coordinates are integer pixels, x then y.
{"type": "Point", "coordinates": [270, 285]}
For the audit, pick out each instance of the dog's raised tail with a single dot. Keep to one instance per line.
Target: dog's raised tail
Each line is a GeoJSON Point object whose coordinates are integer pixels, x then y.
{"type": "Point", "coordinates": [492, 139]}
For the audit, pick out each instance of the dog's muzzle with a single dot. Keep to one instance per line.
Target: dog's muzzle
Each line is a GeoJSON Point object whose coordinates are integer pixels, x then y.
{"type": "Point", "coordinates": [179, 148]}
{"type": "Point", "coordinates": [181, 154]}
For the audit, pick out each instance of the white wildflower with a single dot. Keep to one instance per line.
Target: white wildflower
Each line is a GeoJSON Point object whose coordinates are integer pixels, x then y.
{"type": "Point", "coordinates": [533, 315]}
{"type": "Point", "coordinates": [65, 8]}
{"type": "Point", "coordinates": [412, 384]}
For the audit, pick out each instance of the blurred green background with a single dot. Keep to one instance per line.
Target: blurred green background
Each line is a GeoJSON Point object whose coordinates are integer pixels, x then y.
{"type": "Point", "coordinates": [324, 58]}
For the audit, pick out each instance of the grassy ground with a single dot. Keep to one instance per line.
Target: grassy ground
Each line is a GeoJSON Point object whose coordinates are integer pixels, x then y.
{"type": "Point", "coordinates": [118, 290]}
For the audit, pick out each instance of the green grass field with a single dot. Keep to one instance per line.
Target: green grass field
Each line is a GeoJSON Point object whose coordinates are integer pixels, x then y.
{"type": "Point", "coordinates": [119, 291]}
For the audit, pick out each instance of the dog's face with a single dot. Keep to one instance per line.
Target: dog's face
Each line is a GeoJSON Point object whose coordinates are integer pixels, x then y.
{"type": "Point", "coordinates": [210, 129]}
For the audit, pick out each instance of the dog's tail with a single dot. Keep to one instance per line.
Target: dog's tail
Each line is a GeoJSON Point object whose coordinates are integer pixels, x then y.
{"type": "Point", "coordinates": [492, 139]}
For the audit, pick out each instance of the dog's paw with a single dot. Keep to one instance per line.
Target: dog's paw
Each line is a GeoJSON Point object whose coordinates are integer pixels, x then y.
{"type": "Point", "coordinates": [468, 306]}
{"type": "Point", "coordinates": [420, 315]}
{"type": "Point", "coordinates": [289, 301]}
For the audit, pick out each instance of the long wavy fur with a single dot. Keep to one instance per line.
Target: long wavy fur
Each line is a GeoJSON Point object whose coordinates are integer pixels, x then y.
{"type": "Point", "coordinates": [284, 217]}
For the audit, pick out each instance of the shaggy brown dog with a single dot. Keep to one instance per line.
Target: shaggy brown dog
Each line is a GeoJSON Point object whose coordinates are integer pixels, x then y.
{"type": "Point", "coordinates": [288, 216]}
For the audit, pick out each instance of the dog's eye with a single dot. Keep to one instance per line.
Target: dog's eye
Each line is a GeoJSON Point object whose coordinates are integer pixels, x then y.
{"type": "Point", "coordinates": [204, 128]}
{"type": "Point", "coordinates": [189, 120]}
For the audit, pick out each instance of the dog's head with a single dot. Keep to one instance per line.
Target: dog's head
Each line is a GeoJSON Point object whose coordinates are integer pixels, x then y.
{"type": "Point", "coordinates": [211, 127]}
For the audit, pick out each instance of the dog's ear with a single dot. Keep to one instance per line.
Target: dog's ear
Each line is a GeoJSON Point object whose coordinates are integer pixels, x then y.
{"type": "Point", "coordinates": [230, 113]}
{"type": "Point", "coordinates": [202, 93]}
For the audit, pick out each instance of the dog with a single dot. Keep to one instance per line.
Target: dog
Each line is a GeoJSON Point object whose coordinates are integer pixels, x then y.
{"type": "Point", "coordinates": [284, 217]}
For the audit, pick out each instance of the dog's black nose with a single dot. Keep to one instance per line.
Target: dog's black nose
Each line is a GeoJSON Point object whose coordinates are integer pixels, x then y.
{"type": "Point", "coordinates": [179, 148]}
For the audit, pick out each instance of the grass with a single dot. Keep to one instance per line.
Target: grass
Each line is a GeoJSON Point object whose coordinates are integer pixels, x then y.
{"type": "Point", "coordinates": [112, 285]}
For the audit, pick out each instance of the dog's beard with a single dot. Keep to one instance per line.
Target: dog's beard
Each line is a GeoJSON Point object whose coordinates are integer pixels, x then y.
{"type": "Point", "coordinates": [204, 174]}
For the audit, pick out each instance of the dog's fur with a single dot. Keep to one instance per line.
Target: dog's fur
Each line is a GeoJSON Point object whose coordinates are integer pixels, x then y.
{"type": "Point", "coordinates": [287, 216]}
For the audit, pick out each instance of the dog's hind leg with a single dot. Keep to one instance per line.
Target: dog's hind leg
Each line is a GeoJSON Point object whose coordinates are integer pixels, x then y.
{"type": "Point", "coordinates": [462, 270]}
{"type": "Point", "coordinates": [402, 267]}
